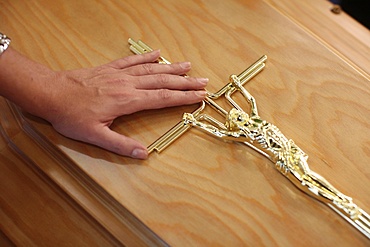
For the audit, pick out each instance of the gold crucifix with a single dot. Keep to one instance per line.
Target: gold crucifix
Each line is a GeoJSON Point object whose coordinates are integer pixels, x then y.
{"type": "Point", "coordinates": [264, 137]}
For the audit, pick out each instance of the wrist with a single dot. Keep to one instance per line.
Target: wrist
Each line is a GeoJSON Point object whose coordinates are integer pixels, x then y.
{"type": "Point", "coordinates": [25, 82]}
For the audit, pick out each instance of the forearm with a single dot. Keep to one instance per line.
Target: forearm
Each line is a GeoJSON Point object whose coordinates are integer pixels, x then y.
{"type": "Point", "coordinates": [25, 82]}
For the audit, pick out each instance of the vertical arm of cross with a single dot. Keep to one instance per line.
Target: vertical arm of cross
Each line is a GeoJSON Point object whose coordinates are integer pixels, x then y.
{"type": "Point", "coordinates": [180, 128]}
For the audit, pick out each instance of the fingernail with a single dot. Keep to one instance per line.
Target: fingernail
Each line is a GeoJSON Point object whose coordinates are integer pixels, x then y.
{"type": "Point", "coordinates": [201, 94]}
{"type": "Point", "coordinates": [185, 65]}
{"type": "Point", "coordinates": [139, 153]}
{"type": "Point", "coordinates": [203, 81]}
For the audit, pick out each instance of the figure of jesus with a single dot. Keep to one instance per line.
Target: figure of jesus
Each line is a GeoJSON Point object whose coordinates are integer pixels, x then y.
{"type": "Point", "coordinates": [266, 138]}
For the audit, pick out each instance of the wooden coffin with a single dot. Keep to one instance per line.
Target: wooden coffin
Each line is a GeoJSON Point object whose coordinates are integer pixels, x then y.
{"type": "Point", "coordinates": [200, 191]}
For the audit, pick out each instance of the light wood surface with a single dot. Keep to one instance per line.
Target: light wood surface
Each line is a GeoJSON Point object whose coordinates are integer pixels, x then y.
{"type": "Point", "coordinates": [38, 197]}
{"type": "Point", "coordinates": [200, 191]}
{"type": "Point", "coordinates": [340, 33]}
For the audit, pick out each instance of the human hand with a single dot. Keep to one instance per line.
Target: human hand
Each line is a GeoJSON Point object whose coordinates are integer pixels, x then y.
{"type": "Point", "coordinates": [86, 101]}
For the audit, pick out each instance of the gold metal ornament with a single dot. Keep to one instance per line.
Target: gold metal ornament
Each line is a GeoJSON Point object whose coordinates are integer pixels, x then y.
{"type": "Point", "coordinates": [262, 136]}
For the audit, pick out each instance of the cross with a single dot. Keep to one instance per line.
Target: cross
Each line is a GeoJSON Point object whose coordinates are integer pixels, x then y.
{"type": "Point", "coordinates": [264, 137]}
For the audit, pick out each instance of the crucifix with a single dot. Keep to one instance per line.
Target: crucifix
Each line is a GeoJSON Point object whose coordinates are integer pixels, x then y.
{"type": "Point", "coordinates": [257, 133]}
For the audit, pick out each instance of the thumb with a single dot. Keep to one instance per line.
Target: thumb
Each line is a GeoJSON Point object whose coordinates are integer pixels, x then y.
{"type": "Point", "coordinates": [120, 144]}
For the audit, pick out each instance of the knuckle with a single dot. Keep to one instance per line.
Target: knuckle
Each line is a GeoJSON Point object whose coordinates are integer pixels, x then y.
{"type": "Point", "coordinates": [148, 68]}
{"type": "Point", "coordinates": [123, 62]}
{"type": "Point", "coordinates": [126, 59]}
{"type": "Point", "coordinates": [163, 79]}
{"type": "Point", "coordinates": [164, 94]}
{"type": "Point", "coordinates": [99, 70]}
{"type": "Point", "coordinates": [118, 147]}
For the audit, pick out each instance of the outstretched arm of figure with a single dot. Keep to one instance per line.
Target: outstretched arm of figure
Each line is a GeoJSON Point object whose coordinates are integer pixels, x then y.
{"type": "Point", "coordinates": [237, 136]}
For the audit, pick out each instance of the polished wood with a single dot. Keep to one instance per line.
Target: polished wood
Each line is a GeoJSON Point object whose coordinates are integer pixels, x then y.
{"type": "Point", "coordinates": [340, 33]}
{"type": "Point", "coordinates": [200, 191]}
{"type": "Point", "coordinates": [39, 202]}
{"type": "Point", "coordinates": [5, 241]}
{"type": "Point", "coordinates": [24, 192]}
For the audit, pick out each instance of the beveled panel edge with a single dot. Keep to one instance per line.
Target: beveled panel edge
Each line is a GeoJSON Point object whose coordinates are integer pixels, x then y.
{"type": "Point", "coordinates": [328, 44]}
{"type": "Point", "coordinates": [5, 241]}
{"type": "Point", "coordinates": [113, 211]}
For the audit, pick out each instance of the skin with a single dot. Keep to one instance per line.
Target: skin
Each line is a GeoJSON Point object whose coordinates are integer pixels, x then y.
{"type": "Point", "coordinates": [82, 104]}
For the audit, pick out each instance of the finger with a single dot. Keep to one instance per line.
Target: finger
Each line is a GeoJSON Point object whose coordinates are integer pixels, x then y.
{"type": "Point", "coordinates": [120, 144]}
{"type": "Point", "coordinates": [161, 98]}
{"type": "Point", "coordinates": [133, 60]}
{"type": "Point", "coordinates": [156, 68]}
{"type": "Point", "coordinates": [167, 81]}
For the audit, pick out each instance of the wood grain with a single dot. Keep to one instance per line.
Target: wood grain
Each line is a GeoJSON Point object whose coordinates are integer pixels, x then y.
{"type": "Point", "coordinates": [202, 191]}
{"type": "Point", "coordinates": [35, 212]}
{"type": "Point", "coordinates": [340, 33]}
{"type": "Point", "coordinates": [40, 184]}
